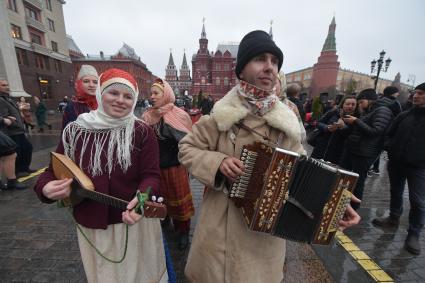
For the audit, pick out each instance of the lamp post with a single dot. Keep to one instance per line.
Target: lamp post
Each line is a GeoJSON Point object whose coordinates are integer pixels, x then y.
{"type": "Point", "coordinates": [380, 66]}
{"type": "Point", "coordinates": [412, 79]}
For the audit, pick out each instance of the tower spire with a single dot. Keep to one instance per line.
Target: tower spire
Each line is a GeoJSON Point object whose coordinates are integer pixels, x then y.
{"type": "Point", "coordinates": [184, 58]}
{"type": "Point", "coordinates": [203, 34]}
{"type": "Point", "coordinates": [271, 29]}
{"type": "Point", "coordinates": [171, 60]}
{"type": "Point", "coordinates": [330, 44]}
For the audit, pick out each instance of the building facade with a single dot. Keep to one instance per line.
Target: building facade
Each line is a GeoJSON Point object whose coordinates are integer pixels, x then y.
{"type": "Point", "coordinates": [37, 29]}
{"type": "Point", "coordinates": [125, 58]}
{"type": "Point", "coordinates": [213, 73]}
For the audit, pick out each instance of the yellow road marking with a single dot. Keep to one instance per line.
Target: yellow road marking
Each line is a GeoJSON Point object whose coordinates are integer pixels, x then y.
{"type": "Point", "coordinates": [32, 175]}
{"type": "Point", "coordinates": [374, 270]}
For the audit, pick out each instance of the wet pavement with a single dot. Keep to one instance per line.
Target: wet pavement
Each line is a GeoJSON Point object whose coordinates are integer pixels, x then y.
{"type": "Point", "coordinates": [38, 241]}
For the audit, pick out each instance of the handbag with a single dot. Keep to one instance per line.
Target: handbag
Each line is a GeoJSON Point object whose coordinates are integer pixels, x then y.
{"type": "Point", "coordinates": [312, 136]}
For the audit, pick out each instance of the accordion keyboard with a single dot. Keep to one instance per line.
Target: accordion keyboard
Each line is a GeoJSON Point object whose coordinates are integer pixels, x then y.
{"type": "Point", "coordinates": [239, 188]}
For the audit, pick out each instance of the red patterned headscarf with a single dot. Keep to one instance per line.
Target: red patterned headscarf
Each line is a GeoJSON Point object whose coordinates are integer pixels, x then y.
{"type": "Point", "coordinates": [173, 116]}
{"type": "Point", "coordinates": [82, 96]}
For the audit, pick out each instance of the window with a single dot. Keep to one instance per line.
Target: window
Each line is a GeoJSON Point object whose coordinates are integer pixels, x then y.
{"type": "Point", "coordinates": [35, 38]}
{"type": "Point", "coordinates": [55, 46]}
{"type": "Point", "coordinates": [51, 24]}
{"type": "Point", "coordinates": [297, 78]}
{"type": "Point", "coordinates": [58, 66]}
{"type": "Point", "coordinates": [11, 4]}
{"type": "Point", "coordinates": [226, 81]}
{"type": "Point", "coordinates": [217, 81]}
{"type": "Point", "coordinates": [49, 5]}
{"type": "Point", "coordinates": [22, 57]}
{"type": "Point", "coordinates": [226, 67]}
{"type": "Point", "coordinates": [217, 67]}
{"type": "Point", "coordinates": [16, 32]}
{"type": "Point", "coordinates": [39, 61]}
{"type": "Point", "coordinates": [32, 13]}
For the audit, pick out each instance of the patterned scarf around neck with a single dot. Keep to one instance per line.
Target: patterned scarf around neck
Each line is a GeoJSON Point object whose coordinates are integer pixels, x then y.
{"type": "Point", "coordinates": [258, 100]}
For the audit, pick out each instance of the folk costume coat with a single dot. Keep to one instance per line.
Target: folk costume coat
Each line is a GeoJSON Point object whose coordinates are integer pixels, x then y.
{"type": "Point", "coordinates": [223, 249]}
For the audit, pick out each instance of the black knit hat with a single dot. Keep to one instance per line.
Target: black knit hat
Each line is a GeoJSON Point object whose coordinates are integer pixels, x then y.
{"type": "Point", "coordinates": [390, 90]}
{"type": "Point", "coordinates": [368, 94]}
{"type": "Point", "coordinates": [255, 43]}
{"type": "Point", "coordinates": [420, 87]}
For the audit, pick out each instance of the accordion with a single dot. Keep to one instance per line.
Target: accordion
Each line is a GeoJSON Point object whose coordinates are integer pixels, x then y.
{"type": "Point", "coordinates": [291, 196]}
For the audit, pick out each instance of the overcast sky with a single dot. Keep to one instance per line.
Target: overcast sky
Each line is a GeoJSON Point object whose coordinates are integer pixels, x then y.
{"type": "Point", "coordinates": [364, 28]}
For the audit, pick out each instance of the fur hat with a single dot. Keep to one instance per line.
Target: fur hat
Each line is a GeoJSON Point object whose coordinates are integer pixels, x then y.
{"type": "Point", "coordinates": [87, 70]}
{"type": "Point", "coordinates": [253, 44]}
{"type": "Point", "coordinates": [420, 87]}
{"type": "Point", "coordinates": [390, 90]}
{"type": "Point", "coordinates": [368, 94]}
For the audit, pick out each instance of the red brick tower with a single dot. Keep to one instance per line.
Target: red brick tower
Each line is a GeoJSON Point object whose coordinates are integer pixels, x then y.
{"type": "Point", "coordinates": [325, 71]}
{"type": "Point", "coordinates": [201, 66]}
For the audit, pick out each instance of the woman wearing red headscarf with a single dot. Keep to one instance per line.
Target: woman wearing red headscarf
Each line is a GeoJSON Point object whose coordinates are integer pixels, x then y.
{"type": "Point", "coordinates": [119, 153]}
{"type": "Point", "coordinates": [171, 124]}
{"type": "Point", "coordinates": [85, 98]}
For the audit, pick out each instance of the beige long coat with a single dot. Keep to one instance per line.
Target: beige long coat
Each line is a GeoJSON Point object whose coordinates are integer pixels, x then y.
{"type": "Point", "coordinates": [223, 249]}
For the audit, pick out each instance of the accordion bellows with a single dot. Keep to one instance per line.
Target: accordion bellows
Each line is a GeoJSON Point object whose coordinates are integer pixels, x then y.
{"type": "Point", "coordinates": [291, 196]}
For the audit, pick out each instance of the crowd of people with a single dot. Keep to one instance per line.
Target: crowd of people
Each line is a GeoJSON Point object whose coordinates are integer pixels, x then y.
{"type": "Point", "coordinates": [354, 134]}
{"type": "Point", "coordinates": [154, 154]}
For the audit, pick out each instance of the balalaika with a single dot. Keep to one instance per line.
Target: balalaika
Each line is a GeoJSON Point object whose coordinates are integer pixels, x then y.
{"type": "Point", "coordinates": [291, 196]}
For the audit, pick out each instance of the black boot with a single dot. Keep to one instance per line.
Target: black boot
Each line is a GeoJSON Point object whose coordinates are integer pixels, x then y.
{"type": "Point", "coordinates": [412, 244]}
{"type": "Point", "coordinates": [13, 184]}
{"type": "Point", "coordinates": [387, 222]}
{"type": "Point", "coordinates": [183, 240]}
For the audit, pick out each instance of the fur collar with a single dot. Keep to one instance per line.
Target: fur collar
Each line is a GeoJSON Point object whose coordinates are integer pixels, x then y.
{"type": "Point", "coordinates": [230, 110]}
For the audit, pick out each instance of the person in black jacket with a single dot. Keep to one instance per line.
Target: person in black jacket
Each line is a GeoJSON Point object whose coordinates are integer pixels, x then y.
{"type": "Point", "coordinates": [389, 99]}
{"type": "Point", "coordinates": [365, 142]}
{"type": "Point", "coordinates": [16, 130]}
{"type": "Point", "coordinates": [293, 93]}
{"type": "Point", "coordinates": [406, 151]}
{"type": "Point", "coordinates": [333, 131]}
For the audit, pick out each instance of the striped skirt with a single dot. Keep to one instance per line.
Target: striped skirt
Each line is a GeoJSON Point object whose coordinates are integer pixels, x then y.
{"type": "Point", "coordinates": [176, 192]}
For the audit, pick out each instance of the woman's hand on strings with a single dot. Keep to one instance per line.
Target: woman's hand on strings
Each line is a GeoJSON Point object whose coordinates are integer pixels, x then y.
{"type": "Point", "coordinates": [130, 216]}
{"type": "Point", "coordinates": [231, 167]}
{"type": "Point", "coordinates": [351, 217]}
{"type": "Point", "coordinates": [57, 189]}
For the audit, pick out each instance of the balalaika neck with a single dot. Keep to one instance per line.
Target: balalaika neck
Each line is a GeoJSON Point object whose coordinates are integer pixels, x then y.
{"type": "Point", "coordinates": [102, 198]}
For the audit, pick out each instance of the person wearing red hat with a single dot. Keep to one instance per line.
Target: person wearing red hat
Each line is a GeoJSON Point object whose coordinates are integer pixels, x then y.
{"type": "Point", "coordinates": [119, 153]}
{"type": "Point", "coordinates": [85, 98]}
{"type": "Point", "coordinates": [171, 124]}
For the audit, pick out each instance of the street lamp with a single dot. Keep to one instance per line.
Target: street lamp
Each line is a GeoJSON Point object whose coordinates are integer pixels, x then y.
{"type": "Point", "coordinates": [412, 79]}
{"type": "Point", "coordinates": [380, 66]}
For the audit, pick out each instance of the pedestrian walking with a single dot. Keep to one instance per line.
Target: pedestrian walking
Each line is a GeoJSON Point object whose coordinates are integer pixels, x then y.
{"type": "Point", "coordinates": [41, 114]}
{"type": "Point", "coordinates": [366, 139]}
{"type": "Point", "coordinates": [119, 153]}
{"type": "Point", "coordinates": [171, 124]}
{"type": "Point", "coordinates": [406, 152]}
{"type": "Point", "coordinates": [25, 109]}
